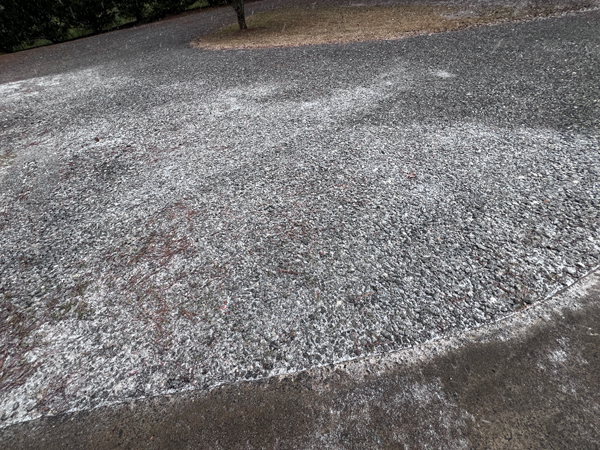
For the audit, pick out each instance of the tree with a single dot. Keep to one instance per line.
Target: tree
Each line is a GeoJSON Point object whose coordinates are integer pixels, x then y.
{"type": "Point", "coordinates": [149, 10]}
{"type": "Point", "coordinates": [238, 5]}
{"type": "Point", "coordinates": [92, 14]}
{"type": "Point", "coordinates": [134, 8]}
{"type": "Point", "coordinates": [23, 23]}
{"type": "Point", "coordinates": [164, 7]}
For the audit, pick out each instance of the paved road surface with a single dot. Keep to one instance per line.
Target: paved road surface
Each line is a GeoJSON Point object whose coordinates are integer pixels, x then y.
{"type": "Point", "coordinates": [174, 219]}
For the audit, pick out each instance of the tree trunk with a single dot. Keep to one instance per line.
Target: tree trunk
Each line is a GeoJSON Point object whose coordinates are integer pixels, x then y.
{"type": "Point", "coordinates": [238, 5]}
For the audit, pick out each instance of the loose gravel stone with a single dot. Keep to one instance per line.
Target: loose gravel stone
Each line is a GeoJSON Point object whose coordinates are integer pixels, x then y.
{"type": "Point", "coordinates": [167, 225]}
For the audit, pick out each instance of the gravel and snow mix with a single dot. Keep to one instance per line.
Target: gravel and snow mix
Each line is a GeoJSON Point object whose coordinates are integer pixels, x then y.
{"type": "Point", "coordinates": [169, 227]}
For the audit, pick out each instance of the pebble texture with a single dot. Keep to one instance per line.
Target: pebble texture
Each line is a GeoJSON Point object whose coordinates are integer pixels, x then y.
{"type": "Point", "coordinates": [190, 218]}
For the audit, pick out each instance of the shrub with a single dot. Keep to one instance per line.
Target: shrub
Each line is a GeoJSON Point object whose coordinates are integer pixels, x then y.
{"type": "Point", "coordinates": [137, 9]}
{"type": "Point", "coordinates": [148, 10]}
{"type": "Point", "coordinates": [92, 14]}
{"type": "Point", "coordinates": [218, 2]}
{"type": "Point", "coordinates": [23, 23]}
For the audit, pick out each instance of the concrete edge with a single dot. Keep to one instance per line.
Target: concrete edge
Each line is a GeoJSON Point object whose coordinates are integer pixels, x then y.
{"type": "Point", "coordinates": [514, 326]}
{"type": "Point", "coordinates": [312, 409]}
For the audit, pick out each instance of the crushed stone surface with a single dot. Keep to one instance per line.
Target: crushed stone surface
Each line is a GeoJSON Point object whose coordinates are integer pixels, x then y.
{"type": "Point", "coordinates": [183, 219]}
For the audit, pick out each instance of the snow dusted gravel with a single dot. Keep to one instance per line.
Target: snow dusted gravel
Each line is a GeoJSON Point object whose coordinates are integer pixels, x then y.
{"type": "Point", "coordinates": [193, 218]}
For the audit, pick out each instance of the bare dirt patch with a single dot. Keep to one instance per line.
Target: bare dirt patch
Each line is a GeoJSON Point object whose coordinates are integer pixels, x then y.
{"type": "Point", "coordinates": [299, 26]}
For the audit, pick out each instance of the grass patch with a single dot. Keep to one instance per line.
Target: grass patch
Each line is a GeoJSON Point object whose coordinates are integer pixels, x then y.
{"type": "Point", "coordinates": [293, 27]}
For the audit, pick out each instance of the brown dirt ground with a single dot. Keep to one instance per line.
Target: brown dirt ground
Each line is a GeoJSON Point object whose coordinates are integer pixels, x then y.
{"type": "Point", "coordinates": [292, 26]}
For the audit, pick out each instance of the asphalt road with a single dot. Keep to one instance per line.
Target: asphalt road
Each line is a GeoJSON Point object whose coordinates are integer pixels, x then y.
{"type": "Point", "coordinates": [528, 382]}
{"type": "Point", "coordinates": [174, 219]}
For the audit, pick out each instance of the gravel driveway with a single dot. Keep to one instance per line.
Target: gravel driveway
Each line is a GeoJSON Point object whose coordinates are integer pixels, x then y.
{"type": "Point", "coordinates": [174, 219]}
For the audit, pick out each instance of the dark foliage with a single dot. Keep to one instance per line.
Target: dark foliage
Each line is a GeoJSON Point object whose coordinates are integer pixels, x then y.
{"type": "Point", "coordinates": [148, 10]}
{"type": "Point", "coordinates": [218, 2]}
{"type": "Point", "coordinates": [23, 22]}
{"type": "Point", "coordinates": [137, 9]}
{"type": "Point", "coordinates": [92, 14]}
{"type": "Point", "coordinates": [161, 8]}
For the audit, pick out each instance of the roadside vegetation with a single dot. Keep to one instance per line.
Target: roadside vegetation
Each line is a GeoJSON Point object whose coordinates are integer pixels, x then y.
{"type": "Point", "coordinates": [313, 25]}
{"type": "Point", "coordinates": [27, 24]}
